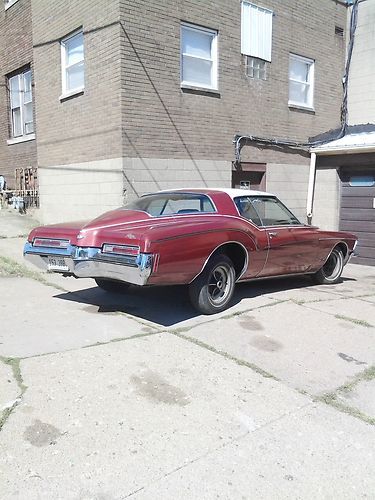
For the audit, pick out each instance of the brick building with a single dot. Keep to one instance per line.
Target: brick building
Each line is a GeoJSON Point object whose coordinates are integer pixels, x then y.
{"type": "Point", "coordinates": [132, 96]}
{"type": "Point", "coordinates": [17, 124]}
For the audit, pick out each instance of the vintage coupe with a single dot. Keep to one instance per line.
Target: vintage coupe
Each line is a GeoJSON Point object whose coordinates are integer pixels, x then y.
{"type": "Point", "coordinates": [208, 239]}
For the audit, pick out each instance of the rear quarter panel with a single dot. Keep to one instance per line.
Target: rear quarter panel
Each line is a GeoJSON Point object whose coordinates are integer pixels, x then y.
{"type": "Point", "coordinates": [183, 251]}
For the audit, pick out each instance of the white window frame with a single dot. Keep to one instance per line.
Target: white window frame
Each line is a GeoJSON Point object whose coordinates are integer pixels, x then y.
{"type": "Point", "coordinates": [213, 59]}
{"type": "Point", "coordinates": [256, 31]}
{"type": "Point", "coordinates": [9, 3]}
{"type": "Point", "coordinates": [310, 82]}
{"type": "Point", "coordinates": [64, 67]}
{"type": "Point", "coordinates": [22, 104]}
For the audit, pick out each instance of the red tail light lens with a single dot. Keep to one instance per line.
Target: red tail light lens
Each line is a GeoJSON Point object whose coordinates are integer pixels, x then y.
{"type": "Point", "coordinates": [50, 243]}
{"type": "Point", "coordinates": [121, 249]}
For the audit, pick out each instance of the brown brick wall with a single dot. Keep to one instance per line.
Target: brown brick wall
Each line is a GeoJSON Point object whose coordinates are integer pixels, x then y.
{"type": "Point", "coordinates": [15, 53]}
{"type": "Point", "coordinates": [160, 120]}
{"type": "Point", "coordinates": [86, 127]}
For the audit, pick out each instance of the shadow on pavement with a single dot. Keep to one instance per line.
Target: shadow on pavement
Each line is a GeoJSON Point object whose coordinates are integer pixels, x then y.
{"type": "Point", "coordinates": [168, 306]}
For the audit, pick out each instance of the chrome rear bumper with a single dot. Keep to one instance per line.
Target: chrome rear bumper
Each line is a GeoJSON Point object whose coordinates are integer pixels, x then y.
{"type": "Point", "coordinates": [88, 262]}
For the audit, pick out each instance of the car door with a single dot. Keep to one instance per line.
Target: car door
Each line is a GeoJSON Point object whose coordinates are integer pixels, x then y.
{"type": "Point", "coordinates": [291, 245]}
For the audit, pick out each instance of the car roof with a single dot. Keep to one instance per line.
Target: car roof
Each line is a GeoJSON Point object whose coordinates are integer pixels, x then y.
{"type": "Point", "coordinates": [232, 192]}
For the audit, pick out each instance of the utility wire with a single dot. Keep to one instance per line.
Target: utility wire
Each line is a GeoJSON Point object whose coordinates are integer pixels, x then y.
{"type": "Point", "coordinates": [240, 140]}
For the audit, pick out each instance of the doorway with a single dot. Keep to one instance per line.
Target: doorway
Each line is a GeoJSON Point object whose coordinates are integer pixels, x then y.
{"type": "Point", "coordinates": [250, 176]}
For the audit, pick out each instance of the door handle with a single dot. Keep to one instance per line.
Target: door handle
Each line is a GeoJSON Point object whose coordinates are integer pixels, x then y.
{"type": "Point", "coordinates": [272, 234]}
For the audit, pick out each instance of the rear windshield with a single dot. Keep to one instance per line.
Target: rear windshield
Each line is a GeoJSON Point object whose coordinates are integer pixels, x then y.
{"type": "Point", "coordinates": [161, 204]}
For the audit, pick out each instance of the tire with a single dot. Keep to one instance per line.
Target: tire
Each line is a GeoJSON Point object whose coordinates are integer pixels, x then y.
{"type": "Point", "coordinates": [212, 291]}
{"type": "Point", "coordinates": [331, 271]}
{"type": "Point", "coordinates": [112, 285]}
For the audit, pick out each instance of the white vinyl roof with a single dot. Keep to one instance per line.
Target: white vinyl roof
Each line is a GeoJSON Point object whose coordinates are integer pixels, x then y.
{"type": "Point", "coordinates": [234, 193]}
{"type": "Point", "coordinates": [363, 142]}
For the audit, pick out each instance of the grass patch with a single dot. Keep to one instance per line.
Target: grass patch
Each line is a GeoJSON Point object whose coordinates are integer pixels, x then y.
{"type": "Point", "coordinates": [14, 364]}
{"type": "Point", "coordinates": [9, 268]}
{"type": "Point", "coordinates": [367, 375]}
{"type": "Point", "coordinates": [359, 322]}
{"type": "Point", "coordinates": [331, 398]}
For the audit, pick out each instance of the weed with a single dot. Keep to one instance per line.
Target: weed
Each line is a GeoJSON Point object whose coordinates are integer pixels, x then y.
{"type": "Point", "coordinates": [14, 364]}
{"type": "Point", "coordinates": [359, 322]}
{"type": "Point", "coordinates": [10, 268]}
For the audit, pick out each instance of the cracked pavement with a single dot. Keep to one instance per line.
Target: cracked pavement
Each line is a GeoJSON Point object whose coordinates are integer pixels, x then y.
{"type": "Point", "coordinates": [110, 397]}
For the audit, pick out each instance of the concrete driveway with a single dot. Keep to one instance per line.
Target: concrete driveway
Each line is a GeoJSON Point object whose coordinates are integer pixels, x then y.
{"type": "Point", "coordinates": [136, 396]}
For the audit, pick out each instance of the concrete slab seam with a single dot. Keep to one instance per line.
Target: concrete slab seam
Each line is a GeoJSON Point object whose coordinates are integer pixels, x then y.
{"type": "Point", "coordinates": [227, 316]}
{"type": "Point", "coordinates": [97, 344]}
{"type": "Point", "coordinates": [330, 398]}
{"type": "Point", "coordinates": [221, 447]}
{"type": "Point", "coordinates": [359, 322]}
{"type": "Point", "coordinates": [224, 354]}
{"type": "Point", "coordinates": [11, 268]}
{"type": "Point", "coordinates": [14, 363]}
{"type": "Point", "coordinates": [338, 316]}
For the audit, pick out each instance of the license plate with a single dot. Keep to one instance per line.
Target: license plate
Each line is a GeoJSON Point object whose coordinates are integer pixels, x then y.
{"type": "Point", "coordinates": [57, 264]}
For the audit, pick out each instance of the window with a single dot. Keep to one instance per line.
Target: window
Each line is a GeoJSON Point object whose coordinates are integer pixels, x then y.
{"type": "Point", "coordinates": [256, 31]}
{"type": "Point", "coordinates": [73, 64]}
{"type": "Point", "coordinates": [256, 68]}
{"type": "Point", "coordinates": [163, 204]}
{"type": "Point", "coordinates": [301, 81]}
{"type": "Point", "coordinates": [265, 211]}
{"type": "Point", "coordinates": [21, 104]}
{"type": "Point", "coordinates": [362, 181]}
{"type": "Point", "coordinates": [198, 57]}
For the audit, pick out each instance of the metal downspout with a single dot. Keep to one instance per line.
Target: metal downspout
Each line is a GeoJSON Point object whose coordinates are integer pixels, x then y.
{"type": "Point", "coordinates": [311, 189]}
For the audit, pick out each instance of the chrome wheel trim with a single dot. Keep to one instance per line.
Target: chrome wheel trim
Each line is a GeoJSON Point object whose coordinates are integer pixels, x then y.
{"type": "Point", "coordinates": [219, 285]}
{"type": "Point", "coordinates": [332, 267]}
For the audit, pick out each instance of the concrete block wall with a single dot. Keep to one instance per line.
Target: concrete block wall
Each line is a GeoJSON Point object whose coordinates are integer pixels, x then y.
{"type": "Point", "coordinates": [16, 52]}
{"type": "Point", "coordinates": [80, 190]}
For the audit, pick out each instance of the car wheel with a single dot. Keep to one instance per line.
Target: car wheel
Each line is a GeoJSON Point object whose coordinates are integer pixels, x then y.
{"type": "Point", "coordinates": [212, 290]}
{"type": "Point", "coordinates": [112, 285]}
{"type": "Point", "coordinates": [331, 271]}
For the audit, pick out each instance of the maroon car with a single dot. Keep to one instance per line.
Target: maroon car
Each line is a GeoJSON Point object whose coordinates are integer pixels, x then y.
{"type": "Point", "coordinates": [208, 239]}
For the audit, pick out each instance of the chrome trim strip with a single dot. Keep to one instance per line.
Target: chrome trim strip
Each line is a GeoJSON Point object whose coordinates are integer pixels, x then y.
{"type": "Point", "coordinates": [89, 262]}
{"type": "Point", "coordinates": [221, 245]}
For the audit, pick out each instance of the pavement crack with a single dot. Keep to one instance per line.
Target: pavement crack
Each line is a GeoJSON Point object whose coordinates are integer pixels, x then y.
{"type": "Point", "coordinates": [222, 446]}
{"type": "Point", "coordinates": [224, 354]}
{"type": "Point", "coordinates": [14, 364]}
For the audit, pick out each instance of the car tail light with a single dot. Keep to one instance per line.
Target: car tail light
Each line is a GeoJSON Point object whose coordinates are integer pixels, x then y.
{"type": "Point", "coordinates": [121, 249]}
{"type": "Point", "coordinates": [50, 243]}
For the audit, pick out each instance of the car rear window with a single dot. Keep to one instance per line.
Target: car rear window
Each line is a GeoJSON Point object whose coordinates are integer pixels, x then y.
{"type": "Point", "coordinates": [163, 204]}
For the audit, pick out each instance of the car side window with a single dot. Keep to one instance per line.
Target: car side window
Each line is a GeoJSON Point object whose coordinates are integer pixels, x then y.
{"type": "Point", "coordinates": [273, 213]}
{"type": "Point", "coordinates": [247, 210]}
{"type": "Point", "coordinates": [265, 211]}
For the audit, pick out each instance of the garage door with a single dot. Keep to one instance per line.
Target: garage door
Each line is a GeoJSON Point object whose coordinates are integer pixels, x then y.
{"type": "Point", "coordinates": [357, 213]}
